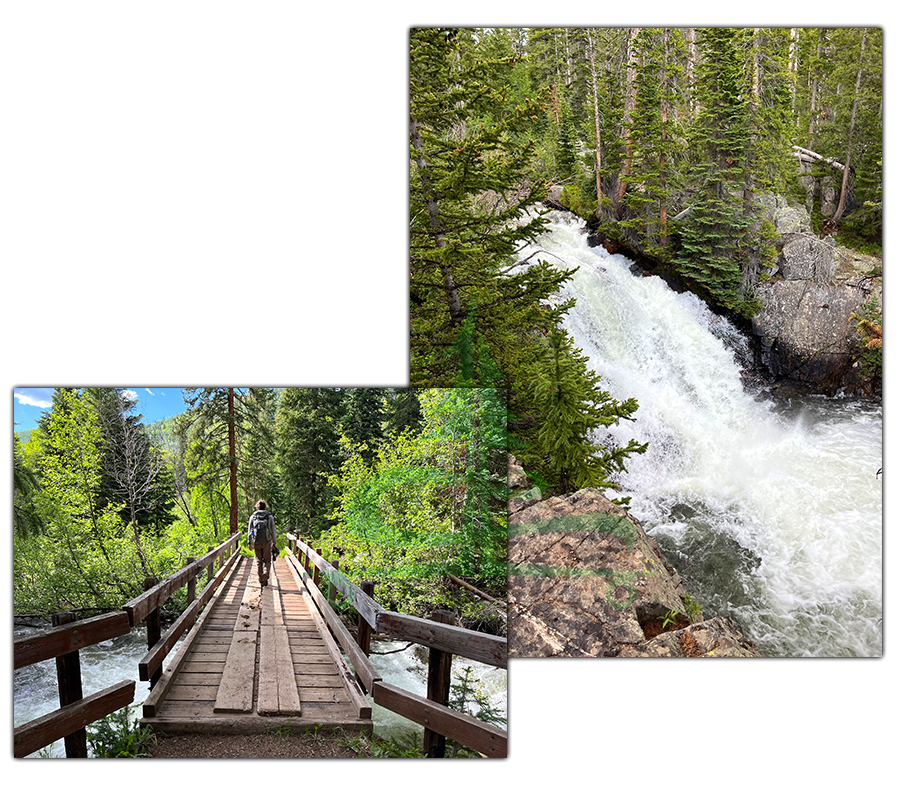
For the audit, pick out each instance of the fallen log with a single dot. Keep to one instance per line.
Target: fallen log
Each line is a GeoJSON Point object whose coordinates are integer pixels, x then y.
{"type": "Point", "coordinates": [808, 154]}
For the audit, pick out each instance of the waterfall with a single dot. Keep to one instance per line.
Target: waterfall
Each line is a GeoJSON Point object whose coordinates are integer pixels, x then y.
{"type": "Point", "coordinates": [771, 512]}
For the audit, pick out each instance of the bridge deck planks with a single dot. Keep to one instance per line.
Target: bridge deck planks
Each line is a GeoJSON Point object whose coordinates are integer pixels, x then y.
{"type": "Point", "coordinates": [200, 699]}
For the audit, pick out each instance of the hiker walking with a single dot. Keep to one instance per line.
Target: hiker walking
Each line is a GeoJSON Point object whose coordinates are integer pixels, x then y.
{"type": "Point", "coordinates": [261, 538]}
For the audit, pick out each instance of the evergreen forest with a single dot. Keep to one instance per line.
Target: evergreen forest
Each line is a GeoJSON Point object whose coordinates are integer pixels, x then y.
{"type": "Point", "coordinates": [406, 487]}
{"type": "Point", "coordinates": [667, 141]}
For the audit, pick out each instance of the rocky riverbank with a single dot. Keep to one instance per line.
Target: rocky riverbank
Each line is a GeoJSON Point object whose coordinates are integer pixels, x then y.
{"type": "Point", "coordinates": [805, 334]}
{"type": "Point", "coordinates": [587, 581]}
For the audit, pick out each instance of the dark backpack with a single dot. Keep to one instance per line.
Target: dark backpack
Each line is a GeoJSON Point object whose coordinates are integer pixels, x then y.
{"type": "Point", "coordinates": [259, 529]}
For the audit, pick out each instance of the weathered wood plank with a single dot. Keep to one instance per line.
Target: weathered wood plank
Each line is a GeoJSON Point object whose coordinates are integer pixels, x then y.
{"type": "Point", "coordinates": [158, 693]}
{"type": "Point", "coordinates": [67, 638]}
{"type": "Point", "coordinates": [363, 667]}
{"type": "Point", "coordinates": [484, 648]}
{"type": "Point", "coordinates": [47, 729]}
{"type": "Point", "coordinates": [235, 694]}
{"type": "Point", "coordinates": [484, 738]}
{"type": "Point", "coordinates": [155, 657]}
{"type": "Point", "coordinates": [277, 685]}
{"type": "Point", "coordinates": [352, 688]}
{"type": "Point", "coordinates": [318, 680]}
{"type": "Point", "coordinates": [192, 693]}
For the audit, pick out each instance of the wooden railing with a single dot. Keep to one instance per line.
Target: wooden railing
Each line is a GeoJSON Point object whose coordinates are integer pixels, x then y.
{"type": "Point", "coordinates": [68, 637]}
{"type": "Point", "coordinates": [442, 640]}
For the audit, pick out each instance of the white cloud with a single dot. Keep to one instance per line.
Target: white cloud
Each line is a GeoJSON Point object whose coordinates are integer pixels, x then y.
{"type": "Point", "coordinates": [29, 400]}
{"type": "Point", "coordinates": [147, 391]}
{"type": "Point", "coordinates": [130, 394]}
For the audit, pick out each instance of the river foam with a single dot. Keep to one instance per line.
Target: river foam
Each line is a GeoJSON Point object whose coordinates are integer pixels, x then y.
{"type": "Point", "coordinates": [771, 512]}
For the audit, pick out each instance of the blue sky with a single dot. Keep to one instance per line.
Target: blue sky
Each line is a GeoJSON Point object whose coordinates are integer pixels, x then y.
{"type": "Point", "coordinates": [153, 402]}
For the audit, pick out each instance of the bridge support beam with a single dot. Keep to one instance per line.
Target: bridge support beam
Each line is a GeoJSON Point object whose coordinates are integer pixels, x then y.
{"type": "Point", "coordinates": [68, 673]}
{"type": "Point", "coordinates": [439, 663]}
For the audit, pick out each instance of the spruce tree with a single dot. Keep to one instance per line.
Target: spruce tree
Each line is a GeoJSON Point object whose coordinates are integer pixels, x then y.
{"type": "Point", "coordinates": [472, 191]}
{"type": "Point", "coordinates": [565, 447]}
{"type": "Point", "coordinates": [308, 437]}
{"type": "Point", "coordinates": [402, 411]}
{"type": "Point", "coordinates": [713, 235]}
{"type": "Point", "coordinates": [654, 175]}
{"type": "Point", "coordinates": [363, 420]}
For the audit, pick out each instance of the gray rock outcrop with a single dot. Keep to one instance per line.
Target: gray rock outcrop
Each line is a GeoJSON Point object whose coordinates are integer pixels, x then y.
{"type": "Point", "coordinates": [804, 331]}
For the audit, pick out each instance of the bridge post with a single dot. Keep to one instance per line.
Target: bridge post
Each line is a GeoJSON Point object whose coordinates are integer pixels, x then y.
{"type": "Point", "coordinates": [332, 589]}
{"type": "Point", "coordinates": [439, 663]}
{"type": "Point", "coordinates": [192, 584]}
{"type": "Point", "coordinates": [316, 569]}
{"type": "Point", "coordinates": [154, 629]}
{"type": "Point", "coordinates": [363, 629]}
{"type": "Point", "coordinates": [68, 675]}
{"type": "Point", "coordinates": [209, 569]}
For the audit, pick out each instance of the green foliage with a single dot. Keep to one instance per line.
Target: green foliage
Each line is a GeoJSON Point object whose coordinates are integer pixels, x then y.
{"type": "Point", "coordinates": [429, 504]}
{"type": "Point", "coordinates": [691, 606]}
{"type": "Point", "coordinates": [713, 238]}
{"type": "Point", "coordinates": [467, 696]}
{"type": "Point", "coordinates": [670, 617]}
{"type": "Point", "coordinates": [308, 442]}
{"type": "Point", "coordinates": [116, 736]}
{"type": "Point", "coordinates": [26, 520]}
{"type": "Point", "coordinates": [473, 185]}
{"type": "Point", "coordinates": [869, 328]}
{"type": "Point", "coordinates": [578, 201]}
{"type": "Point", "coordinates": [575, 408]}
{"type": "Point", "coordinates": [406, 745]}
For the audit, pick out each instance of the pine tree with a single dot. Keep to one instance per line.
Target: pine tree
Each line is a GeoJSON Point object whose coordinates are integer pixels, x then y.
{"type": "Point", "coordinates": [402, 411]}
{"type": "Point", "coordinates": [575, 407]}
{"type": "Point", "coordinates": [566, 143]}
{"type": "Point", "coordinates": [308, 439]}
{"type": "Point", "coordinates": [471, 191]}
{"type": "Point", "coordinates": [363, 420]}
{"type": "Point", "coordinates": [654, 174]}
{"type": "Point", "coordinates": [713, 235]}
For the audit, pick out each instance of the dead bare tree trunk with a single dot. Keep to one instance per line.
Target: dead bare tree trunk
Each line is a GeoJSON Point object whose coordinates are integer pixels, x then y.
{"type": "Point", "coordinates": [630, 91]}
{"type": "Point", "coordinates": [843, 198]}
{"type": "Point", "coordinates": [598, 150]}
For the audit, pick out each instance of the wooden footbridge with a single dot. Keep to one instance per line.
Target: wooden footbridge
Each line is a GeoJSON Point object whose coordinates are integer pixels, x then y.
{"type": "Point", "coordinates": [249, 658]}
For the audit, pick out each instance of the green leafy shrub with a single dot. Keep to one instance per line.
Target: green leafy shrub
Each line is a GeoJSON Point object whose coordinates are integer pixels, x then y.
{"type": "Point", "coordinates": [115, 736]}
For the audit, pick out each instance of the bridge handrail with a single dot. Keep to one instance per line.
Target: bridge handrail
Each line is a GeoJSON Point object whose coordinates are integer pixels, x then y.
{"type": "Point", "coordinates": [485, 648]}
{"type": "Point", "coordinates": [151, 599]}
{"type": "Point", "coordinates": [482, 737]}
{"type": "Point", "coordinates": [154, 658]}
{"type": "Point", "coordinates": [70, 637]}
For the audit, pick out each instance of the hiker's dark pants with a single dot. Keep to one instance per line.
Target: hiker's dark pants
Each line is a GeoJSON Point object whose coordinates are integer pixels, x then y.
{"type": "Point", "coordinates": [263, 553]}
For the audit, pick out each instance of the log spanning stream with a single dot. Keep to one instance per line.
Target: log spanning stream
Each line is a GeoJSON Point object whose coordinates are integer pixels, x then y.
{"type": "Point", "coordinates": [771, 512]}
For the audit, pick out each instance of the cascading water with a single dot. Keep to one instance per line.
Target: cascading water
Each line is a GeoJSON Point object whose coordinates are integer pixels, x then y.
{"type": "Point", "coordinates": [770, 512]}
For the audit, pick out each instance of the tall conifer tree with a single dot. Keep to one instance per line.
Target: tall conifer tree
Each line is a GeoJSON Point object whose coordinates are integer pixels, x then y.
{"type": "Point", "coordinates": [471, 189]}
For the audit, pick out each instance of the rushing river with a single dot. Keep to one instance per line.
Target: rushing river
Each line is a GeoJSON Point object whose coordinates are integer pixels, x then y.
{"type": "Point", "coordinates": [35, 690]}
{"type": "Point", "coordinates": [771, 512]}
